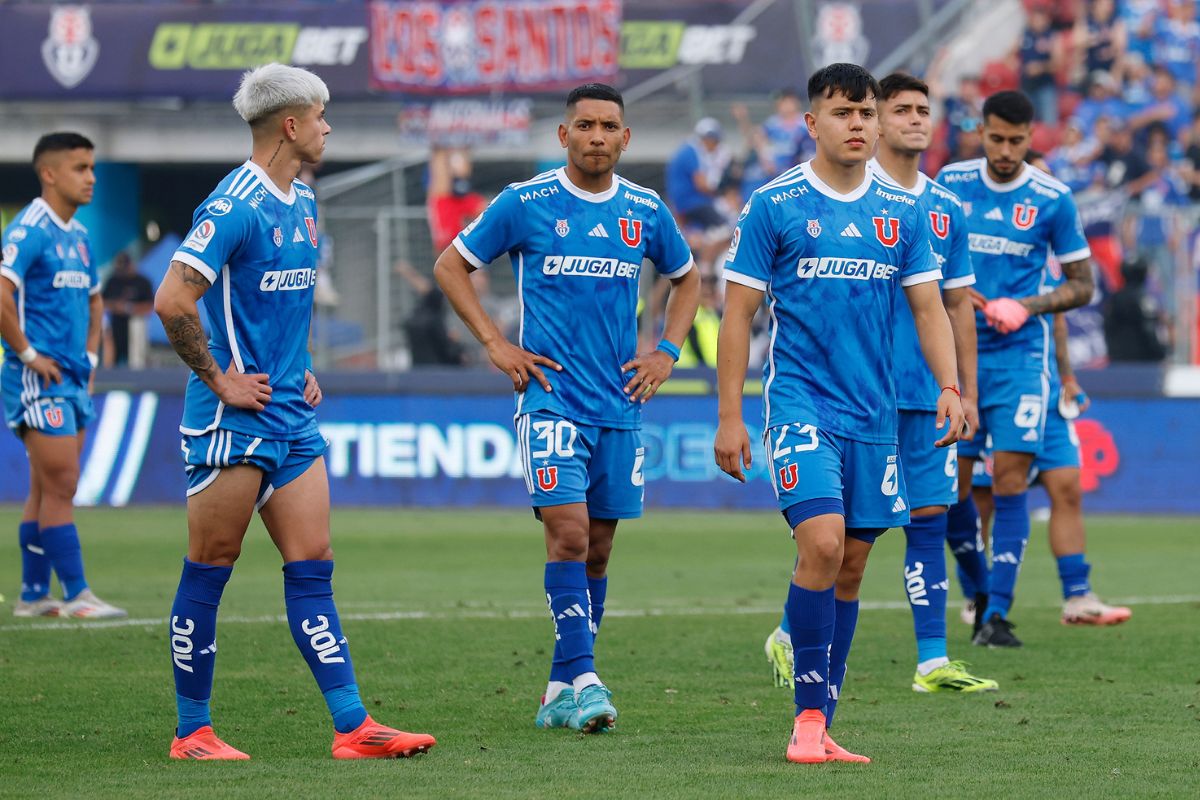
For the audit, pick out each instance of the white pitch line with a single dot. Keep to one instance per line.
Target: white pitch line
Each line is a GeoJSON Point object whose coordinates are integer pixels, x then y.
{"type": "Point", "coordinates": [390, 616]}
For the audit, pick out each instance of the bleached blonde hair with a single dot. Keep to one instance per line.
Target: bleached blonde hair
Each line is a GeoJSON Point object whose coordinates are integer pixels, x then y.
{"type": "Point", "coordinates": [272, 87]}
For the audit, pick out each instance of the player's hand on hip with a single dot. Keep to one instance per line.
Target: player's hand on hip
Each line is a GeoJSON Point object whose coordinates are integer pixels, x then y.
{"type": "Point", "coordinates": [312, 390]}
{"type": "Point", "coordinates": [250, 391]}
{"type": "Point", "coordinates": [521, 365]}
{"type": "Point", "coordinates": [731, 449]}
{"type": "Point", "coordinates": [970, 409]}
{"type": "Point", "coordinates": [48, 369]}
{"type": "Point", "coordinates": [650, 372]}
{"type": "Point", "coordinates": [949, 417]}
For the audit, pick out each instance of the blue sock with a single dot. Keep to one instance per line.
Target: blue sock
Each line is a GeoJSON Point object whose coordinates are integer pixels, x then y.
{"type": "Point", "coordinates": [193, 630]}
{"type": "Point", "coordinates": [567, 596]}
{"type": "Point", "coordinates": [597, 591]}
{"type": "Point", "coordinates": [811, 615]}
{"type": "Point", "coordinates": [61, 543]}
{"type": "Point", "coordinates": [783, 622]}
{"type": "Point", "coordinates": [926, 583]}
{"type": "Point", "coordinates": [313, 618]}
{"type": "Point", "coordinates": [1010, 534]}
{"type": "Point", "coordinates": [844, 623]}
{"type": "Point", "coordinates": [962, 533]}
{"type": "Point", "coordinates": [35, 567]}
{"type": "Point", "coordinates": [1073, 571]}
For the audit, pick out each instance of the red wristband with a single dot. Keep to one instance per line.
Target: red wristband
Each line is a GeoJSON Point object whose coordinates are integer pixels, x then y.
{"type": "Point", "coordinates": [953, 389]}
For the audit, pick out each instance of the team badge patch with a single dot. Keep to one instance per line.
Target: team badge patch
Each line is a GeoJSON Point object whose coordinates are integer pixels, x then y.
{"type": "Point", "coordinates": [201, 235]}
{"type": "Point", "coordinates": [54, 416]}
{"type": "Point", "coordinates": [84, 255]}
{"type": "Point", "coordinates": [631, 231]}
{"type": "Point", "coordinates": [789, 477]}
{"type": "Point", "coordinates": [1023, 216]}
{"type": "Point", "coordinates": [887, 230]}
{"type": "Point", "coordinates": [940, 222]}
{"type": "Point", "coordinates": [547, 478]}
{"type": "Point", "coordinates": [311, 224]}
{"type": "Point", "coordinates": [278, 237]}
{"type": "Point", "coordinates": [814, 228]}
{"type": "Point", "coordinates": [561, 227]}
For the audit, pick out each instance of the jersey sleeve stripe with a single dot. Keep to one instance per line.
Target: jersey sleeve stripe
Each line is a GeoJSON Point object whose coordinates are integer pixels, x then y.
{"type": "Point", "coordinates": [235, 184]}
{"type": "Point", "coordinates": [745, 280]}
{"type": "Point", "coordinates": [185, 257]}
{"type": "Point", "coordinates": [11, 275]}
{"type": "Point", "coordinates": [922, 277]}
{"type": "Point", "coordinates": [1075, 255]}
{"type": "Point", "coordinates": [244, 193]}
{"type": "Point", "coordinates": [959, 282]}
{"type": "Point", "coordinates": [461, 247]}
{"type": "Point", "coordinates": [681, 271]}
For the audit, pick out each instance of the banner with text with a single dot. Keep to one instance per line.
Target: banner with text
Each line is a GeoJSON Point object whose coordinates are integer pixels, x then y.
{"type": "Point", "coordinates": [1138, 456]}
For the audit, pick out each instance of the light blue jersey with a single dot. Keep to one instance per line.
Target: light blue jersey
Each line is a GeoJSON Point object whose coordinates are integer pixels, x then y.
{"type": "Point", "coordinates": [259, 248]}
{"type": "Point", "coordinates": [831, 265]}
{"type": "Point", "coordinates": [577, 257]}
{"type": "Point", "coordinates": [916, 390]}
{"type": "Point", "coordinates": [1012, 229]}
{"type": "Point", "coordinates": [50, 263]}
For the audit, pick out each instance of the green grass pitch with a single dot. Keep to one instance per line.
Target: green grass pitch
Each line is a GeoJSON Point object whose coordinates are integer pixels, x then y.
{"type": "Point", "coordinates": [446, 619]}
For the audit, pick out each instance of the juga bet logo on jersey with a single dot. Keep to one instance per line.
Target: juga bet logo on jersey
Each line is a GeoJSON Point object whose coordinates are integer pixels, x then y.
{"type": "Point", "coordinates": [854, 269]}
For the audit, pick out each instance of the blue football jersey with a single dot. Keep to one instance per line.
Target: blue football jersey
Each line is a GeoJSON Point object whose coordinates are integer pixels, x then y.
{"type": "Point", "coordinates": [577, 257]}
{"type": "Point", "coordinates": [50, 263]}
{"type": "Point", "coordinates": [1012, 229]}
{"type": "Point", "coordinates": [940, 209]}
{"type": "Point", "coordinates": [259, 248]}
{"type": "Point", "coordinates": [831, 265]}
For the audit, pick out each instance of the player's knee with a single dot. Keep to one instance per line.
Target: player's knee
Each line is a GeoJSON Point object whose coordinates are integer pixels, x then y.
{"type": "Point", "coordinates": [58, 481]}
{"type": "Point", "coordinates": [848, 582]}
{"type": "Point", "coordinates": [217, 554]}
{"type": "Point", "coordinates": [597, 559]}
{"type": "Point", "coordinates": [1067, 496]}
{"type": "Point", "coordinates": [823, 553]}
{"type": "Point", "coordinates": [567, 542]}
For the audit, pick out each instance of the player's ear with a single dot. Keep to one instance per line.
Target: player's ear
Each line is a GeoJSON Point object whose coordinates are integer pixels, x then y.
{"type": "Point", "coordinates": [562, 134]}
{"type": "Point", "coordinates": [625, 139]}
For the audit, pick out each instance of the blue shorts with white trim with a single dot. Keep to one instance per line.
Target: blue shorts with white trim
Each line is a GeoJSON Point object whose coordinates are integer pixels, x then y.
{"type": "Point", "coordinates": [281, 462]}
{"type": "Point", "coordinates": [61, 409]}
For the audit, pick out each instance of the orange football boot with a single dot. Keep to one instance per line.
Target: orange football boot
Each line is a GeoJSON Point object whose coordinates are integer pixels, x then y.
{"type": "Point", "coordinates": [372, 740]}
{"type": "Point", "coordinates": [807, 745]}
{"type": "Point", "coordinates": [203, 745]}
{"type": "Point", "coordinates": [835, 752]}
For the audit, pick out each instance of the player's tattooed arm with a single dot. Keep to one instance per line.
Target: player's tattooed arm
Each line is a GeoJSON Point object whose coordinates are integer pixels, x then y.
{"type": "Point", "coordinates": [176, 305]}
{"type": "Point", "coordinates": [188, 338]}
{"type": "Point", "coordinates": [1073, 292]}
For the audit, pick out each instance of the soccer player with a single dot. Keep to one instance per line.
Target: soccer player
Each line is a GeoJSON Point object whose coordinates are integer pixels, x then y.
{"type": "Point", "coordinates": [50, 295]}
{"type": "Point", "coordinates": [250, 436]}
{"type": "Point", "coordinates": [1015, 215]}
{"type": "Point", "coordinates": [830, 244]}
{"type": "Point", "coordinates": [577, 237]}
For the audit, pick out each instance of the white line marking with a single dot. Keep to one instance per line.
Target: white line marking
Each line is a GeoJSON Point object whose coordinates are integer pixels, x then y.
{"type": "Point", "coordinates": [530, 613]}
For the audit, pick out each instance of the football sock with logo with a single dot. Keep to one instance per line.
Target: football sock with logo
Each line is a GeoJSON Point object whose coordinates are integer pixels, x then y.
{"type": "Point", "coordinates": [962, 533]}
{"type": "Point", "coordinates": [1010, 534]}
{"type": "Point", "coordinates": [566, 587]}
{"type": "Point", "coordinates": [811, 617]}
{"type": "Point", "coordinates": [597, 591]}
{"type": "Point", "coordinates": [925, 583]}
{"type": "Point", "coordinates": [193, 631]}
{"type": "Point", "coordinates": [35, 566]}
{"type": "Point", "coordinates": [1073, 571]}
{"type": "Point", "coordinates": [559, 677]}
{"type": "Point", "coordinates": [313, 618]}
{"type": "Point", "coordinates": [845, 621]}
{"type": "Point", "coordinates": [61, 543]}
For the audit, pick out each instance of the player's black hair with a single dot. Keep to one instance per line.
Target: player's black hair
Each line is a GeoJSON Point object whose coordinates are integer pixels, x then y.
{"type": "Point", "coordinates": [1032, 155]}
{"type": "Point", "coordinates": [899, 82]}
{"type": "Point", "coordinates": [62, 140]}
{"type": "Point", "coordinates": [595, 91]}
{"type": "Point", "coordinates": [850, 80]}
{"type": "Point", "coordinates": [1015, 108]}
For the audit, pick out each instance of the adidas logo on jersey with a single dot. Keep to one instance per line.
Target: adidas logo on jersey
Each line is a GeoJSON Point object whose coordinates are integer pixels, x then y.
{"type": "Point", "coordinates": [994, 215]}
{"type": "Point", "coordinates": [297, 236]}
{"type": "Point", "coordinates": [851, 230]}
{"type": "Point", "coordinates": [598, 232]}
{"type": "Point", "coordinates": [899, 505]}
{"type": "Point", "coordinates": [572, 611]}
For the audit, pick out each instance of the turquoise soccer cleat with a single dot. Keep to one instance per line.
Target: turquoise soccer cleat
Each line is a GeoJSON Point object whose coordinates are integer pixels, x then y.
{"type": "Point", "coordinates": [596, 712]}
{"type": "Point", "coordinates": [559, 712]}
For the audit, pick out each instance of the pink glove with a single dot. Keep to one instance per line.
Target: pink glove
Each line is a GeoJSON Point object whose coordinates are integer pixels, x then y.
{"type": "Point", "coordinates": [1005, 314]}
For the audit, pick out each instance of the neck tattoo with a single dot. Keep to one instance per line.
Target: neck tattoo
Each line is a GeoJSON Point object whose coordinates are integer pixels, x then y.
{"type": "Point", "coordinates": [277, 148]}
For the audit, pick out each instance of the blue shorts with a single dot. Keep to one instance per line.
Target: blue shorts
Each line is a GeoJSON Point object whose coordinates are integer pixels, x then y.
{"type": "Point", "coordinates": [281, 462]}
{"type": "Point", "coordinates": [63, 409]}
{"type": "Point", "coordinates": [931, 473]}
{"type": "Point", "coordinates": [568, 463]}
{"type": "Point", "coordinates": [1060, 449]}
{"type": "Point", "coordinates": [1012, 406]}
{"type": "Point", "coordinates": [866, 479]}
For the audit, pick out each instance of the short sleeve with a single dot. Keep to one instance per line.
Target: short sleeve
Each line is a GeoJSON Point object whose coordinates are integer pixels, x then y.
{"type": "Point", "coordinates": [219, 230]}
{"type": "Point", "coordinates": [920, 264]}
{"type": "Point", "coordinates": [669, 250]}
{"type": "Point", "coordinates": [20, 251]}
{"type": "Point", "coordinates": [753, 247]}
{"type": "Point", "coordinates": [1066, 232]}
{"type": "Point", "coordinates": [957, 272]}
{"type": "Point", "coordinates": [493, 232]}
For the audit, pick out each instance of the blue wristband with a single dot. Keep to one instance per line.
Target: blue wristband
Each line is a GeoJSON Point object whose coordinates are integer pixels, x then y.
{"type": "Point", "coordinates": [669, 348]}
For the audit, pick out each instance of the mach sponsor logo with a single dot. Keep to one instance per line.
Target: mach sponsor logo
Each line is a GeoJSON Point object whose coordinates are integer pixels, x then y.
{"type": "Point", "coordinates": [538, 194]}
{"type": "Point", "coordinates": [784, 195]}
{"type": "Point", "coordinates": [287, 280]}
{"type": "Point", "coordinates": [589, 267]}
{"type": "Point", "coordinates": [998, 246]}
{"type": "Point", "coordinates": [853, 269]}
